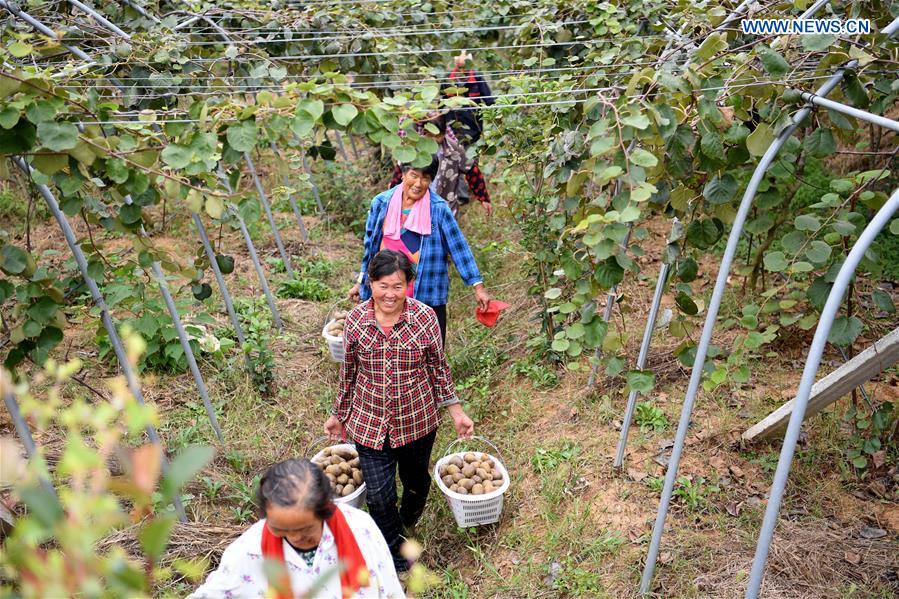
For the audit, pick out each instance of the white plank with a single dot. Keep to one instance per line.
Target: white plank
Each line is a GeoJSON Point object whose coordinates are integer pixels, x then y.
{"type": "Point", "coordinates": [874, 360]}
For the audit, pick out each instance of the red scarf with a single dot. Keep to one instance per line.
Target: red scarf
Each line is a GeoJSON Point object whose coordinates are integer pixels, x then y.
{"type": "Point", "coordinates": [472, 93]}
{"type": "Point", "coordinates": [353, 578]}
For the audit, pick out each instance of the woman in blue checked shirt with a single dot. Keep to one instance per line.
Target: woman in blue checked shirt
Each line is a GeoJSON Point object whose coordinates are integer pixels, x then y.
{"type": "Point", "coordinates": [409, 218]}
{"type": "Point", "coordinates": [393, 380]}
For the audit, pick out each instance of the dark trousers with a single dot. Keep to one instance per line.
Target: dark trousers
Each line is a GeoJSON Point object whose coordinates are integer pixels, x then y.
{"type": "Point", "coordinates": [379, 467]}
{"type": "Point", "coordinates": [440, 311]}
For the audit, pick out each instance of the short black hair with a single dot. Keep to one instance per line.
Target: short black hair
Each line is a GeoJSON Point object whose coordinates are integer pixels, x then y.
{"type": "Point", "coordinates": [387, 262]}
{"type": "Point", "coordinates": [430, 170]}
{"type": "Point", "coordinates": [296, 483]}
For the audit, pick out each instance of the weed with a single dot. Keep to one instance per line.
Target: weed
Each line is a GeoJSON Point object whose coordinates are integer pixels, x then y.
{"type": "Point", "coordinates": [257, 321]}
{"type": "Point", "coordinates": [766, 461]}
{"type": "Point", "coordinates": [243, 514]}
{"type": "Point", "coordinates": [655, 484]}
{"type": "Point", "coordinates": [693, 493]}
{"type": "Point", "coordinates": [869, 444]}
{"type": "Point", "coordinates": [212, 488]}
{"type": "Point", "coordinates": [541, 375]}
{"type": "Point", "coordinates": [276, 265]}
{"type": "Point", "coordinates": [304, 288]}
{"type": "Point", "coordinates": [237, 462]}
{"type": "Point", "coordinates": [650, 418]}
{"type": "Point", "coordinates": [547, 460]}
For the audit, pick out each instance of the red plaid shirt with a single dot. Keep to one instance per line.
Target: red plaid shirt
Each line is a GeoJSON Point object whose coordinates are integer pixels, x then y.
{"type": "Point", "coordinates": [392, 384]}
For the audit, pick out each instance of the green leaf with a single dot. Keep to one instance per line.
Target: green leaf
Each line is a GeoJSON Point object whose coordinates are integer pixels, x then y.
{"type": "Point", "coordinates": [43, 311]}
{"type": "Point", "coordinates": [759, 140]}
{"type": "Point", "coordinates": [703, 234]}
{"type": "Point", "coordinates": [553, 293]}
{"type": "Point", "coordinates": [242, 136]}
{"type": "Point", "coordinates": [845, 330]}
{"type": "Point", "coordinates": [18, 139]}
{"type": "Point", "coordinates": [894, 226]}
{"type": "Point", "coordinates": [641, 157]}
{"type": "Point", "coordinates": [641, 381]}
{"type": "Point", "coordinates": [687, 270]}
{"type": "Point", "coordinates": [854, 90]}
{"type": "Point", "coordinates": [817, 42]}
{"type": "Point", "coordinates": [807, 222]}
{"type": "Point", "coordinates": [6, 290]}
{"type": "Point", "coordinates": [883, 301]}
{"type": "Point", "coordinates": [184, 467]}
{"type": "Point", "coordinates": [772, 61]}
{"type": "Point", "coordinates": [818, 291]}
{"type": "Point", "coordinates": [775, 261]}
{"type": "Point", "coordinates": [302, 124]}
{"type": "Point", "coordinates": [609, 273]}
{"type": "Point", "coordinates": [19, 49]}
{"type": "Point", "coordinates": [720, 190]}
{"type": "Point", "coordinates": [315, 108]}
{"type": "Point", "coordinates": [214, 206]}
{"type": "Point", "coordinates": [595, 332]}
{"type": "Point", "coordinates": [130, 214]}
{"type": "Point", "coordinates": [860, 462]}
{"type": "Point", "coordinates": [58, 137]}
{"type": "Point", "coordinates": [344, 113]}
{"type": "Point", "coordinates": [686, 304]}
{"type": "Point", "coordinates": [405, 154]}
{"type": "Point", "coordinates": [42, 505]}
{"type": "Point", "coordinates": [818, 252]}
{"type": "Point", "coordinates": [154, 537]}
{"type": "Point", "coordinates": [710, 46]}
{"type": "Point", "coordinates": [629, 214]}
{"type": "Point", "coordinates": [601, 145]}
{"type": "Point", "coordinates": [13, 260]}
{"type": "Point", "coordinates": [560, 345]}
{"type": "Point", "coordinates": [820, 143]}
{"type": "Point", "coordinates": [176, 156]}
{"type": "Point", "coordinates": [50, 164]}
{"type": "Point", "coordinates": [638, 121]}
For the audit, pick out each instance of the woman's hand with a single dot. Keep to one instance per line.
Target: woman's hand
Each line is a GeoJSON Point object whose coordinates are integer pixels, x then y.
{"type": "Point", "coordinates": [461, 422]}
{"type": "Point", "coordinates": [354, 295]}
{"type": "Point", "coordinates": [480, 293]}
{"type": "Point", "coordinates": [334, 429]}
{"type": "Point", "coordinates": [488, 207]}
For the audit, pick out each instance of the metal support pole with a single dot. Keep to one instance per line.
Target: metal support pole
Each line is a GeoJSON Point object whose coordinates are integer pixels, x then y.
{"type": "Point", "coordinates": [24, 431]}
{"type": "Point", "coordinates": [293, 205]}
{"type": "Point", "coordinates": [831, 307]}
{"type": "Point", "coordinates": [268, 213]}
{"type": "Point", "coordinates": [641, 362]}
{"type": "Point", "coordinates": [353, 145]}
{"type": "Point", "coordinates": [99, 18]}
{"type": "Point", "coordinates": [105, 316]}
{"type": "Point", "coordinates": [276, 316]}
{"type": "Point", "coordinates": [308, 169]}
{"type": "Point", "coordinates": [708, 328]}
{"type": "Point", "coordinates": [863, 115]}
{"type": "Point", "coordinates": [229, 306]}
{"type": "Point", "coordinates": [188, 351]}
{"type": "Point", "coordinates": [340, 145]}
{"type": "Point", "coordinates": [142, 11]}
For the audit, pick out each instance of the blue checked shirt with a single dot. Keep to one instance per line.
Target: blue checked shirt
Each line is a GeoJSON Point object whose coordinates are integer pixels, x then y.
{"type": "Point", "coordinates": [445, 241]}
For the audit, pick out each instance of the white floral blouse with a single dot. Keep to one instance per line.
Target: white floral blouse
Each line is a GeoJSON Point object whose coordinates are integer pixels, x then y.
{"type": "Point", "coordinates": [240, 573]}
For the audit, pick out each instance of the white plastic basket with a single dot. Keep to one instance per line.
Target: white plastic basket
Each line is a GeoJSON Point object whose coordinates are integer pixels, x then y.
{"type": "Point", "coordinates": [335, 344]}
{"type": "Point", "coordinates": [474, 510]}
{"type": "Point", "coordinates": [357, 497]}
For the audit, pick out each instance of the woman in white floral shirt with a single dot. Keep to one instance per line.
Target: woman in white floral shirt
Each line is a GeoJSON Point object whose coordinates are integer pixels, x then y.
{"type": "Point", "coordinates": [334, 551]}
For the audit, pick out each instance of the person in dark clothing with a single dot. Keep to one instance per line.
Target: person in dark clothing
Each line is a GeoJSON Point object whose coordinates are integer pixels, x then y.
{"type": "Point", "coordinates": [467, 123]}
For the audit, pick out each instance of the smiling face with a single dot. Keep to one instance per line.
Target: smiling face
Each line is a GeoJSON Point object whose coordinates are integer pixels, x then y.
{"type": "Point", "coordinates": [415, 184]}
{"type": "Point", "coordinates": [299, 526]}
{"type": "Point", "coordinates": [389, 293]}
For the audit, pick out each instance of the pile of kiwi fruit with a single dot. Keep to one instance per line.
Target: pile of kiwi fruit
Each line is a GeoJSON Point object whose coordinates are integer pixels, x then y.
{"type": "Point", "coordinates": [341, 466]}
{"type": "Point", "coordinates": [471, 474]}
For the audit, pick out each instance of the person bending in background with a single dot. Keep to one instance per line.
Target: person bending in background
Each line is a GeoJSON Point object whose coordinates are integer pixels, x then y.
{"type": "Point", "coordinates": [467, 122]}
{"type": "Point", "coordinates": [455, 169]}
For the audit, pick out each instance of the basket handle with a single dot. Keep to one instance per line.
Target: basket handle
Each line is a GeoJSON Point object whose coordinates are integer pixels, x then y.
{"type": "Point", "coordinates": [332, 308]}
{"type": "Point", "coordinates": [499, 454]}
{"type": "Point", "coordinates": [315, 443]}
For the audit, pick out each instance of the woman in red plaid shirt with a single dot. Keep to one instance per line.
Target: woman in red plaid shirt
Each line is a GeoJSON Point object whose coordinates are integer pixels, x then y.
{"type": "Point", "coordinates": [393, 380]}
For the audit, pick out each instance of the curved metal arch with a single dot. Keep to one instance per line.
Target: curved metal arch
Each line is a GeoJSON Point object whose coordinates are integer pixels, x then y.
{"type": "Point", "coordinates": [715, 304]}
{"type": "Point", "coordinates": [828, 314]}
